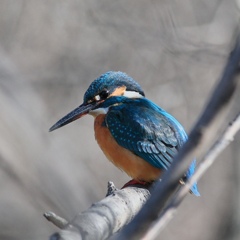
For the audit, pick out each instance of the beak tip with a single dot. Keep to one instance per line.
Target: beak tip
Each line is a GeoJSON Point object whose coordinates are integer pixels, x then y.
{"type": "Point", "coordinates": [72, 116]}
{"type": "Point", "coordinates": [50, 130]}
{"type": "Point", "coordinates": [54, 127]}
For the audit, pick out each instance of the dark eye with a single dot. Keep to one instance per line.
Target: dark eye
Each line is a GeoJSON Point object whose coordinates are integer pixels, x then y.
{"type": "Point", "coordinates": [104, 94]}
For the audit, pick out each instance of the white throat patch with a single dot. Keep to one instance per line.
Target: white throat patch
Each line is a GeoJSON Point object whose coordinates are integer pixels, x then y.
{"type": "Point", "coordinates": [98, 111]}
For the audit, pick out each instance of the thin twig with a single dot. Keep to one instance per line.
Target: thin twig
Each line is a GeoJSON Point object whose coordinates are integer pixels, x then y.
{"type": "Point", "coordinates": [210, 157]}
{"type": "Point", "coordinates": [203, 134]}
{"type": "Point", "coordinates": [56, 220]}
{"type": "Point", "coordinates": [201, 137]}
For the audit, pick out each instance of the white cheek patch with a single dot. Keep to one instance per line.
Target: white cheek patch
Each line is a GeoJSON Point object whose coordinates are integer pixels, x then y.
{"type": "Point", "coordinates": [98, 111]}
{"type": "Point", "coordinates": [132, 94]}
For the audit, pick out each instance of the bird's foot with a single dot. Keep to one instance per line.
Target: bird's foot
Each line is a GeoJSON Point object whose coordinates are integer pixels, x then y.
{"type": "Point", "coordinates": [137, 183]}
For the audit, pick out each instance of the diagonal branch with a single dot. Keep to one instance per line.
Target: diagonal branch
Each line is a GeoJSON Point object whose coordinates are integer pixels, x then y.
{"type": "Point", "coordinates": [85, 226]}
{"type": "Point", "coordinates": [72, 232]}
{"type": "Point", "coordinates": [207, 161]}
{"type": "Point", "coordinates": [202, 136]}
{"type": "Point", "coordinates": [103, 218]}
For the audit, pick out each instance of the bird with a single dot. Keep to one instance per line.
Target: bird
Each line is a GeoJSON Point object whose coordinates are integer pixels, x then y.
{"type": "Point", "coordinates": [135, 134]}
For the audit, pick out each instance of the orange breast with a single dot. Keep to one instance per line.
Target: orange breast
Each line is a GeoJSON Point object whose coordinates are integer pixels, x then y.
{"type": "Point", "coordinates": [124, 159]}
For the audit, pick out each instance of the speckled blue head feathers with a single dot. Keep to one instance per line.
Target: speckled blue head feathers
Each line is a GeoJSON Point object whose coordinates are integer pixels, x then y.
{"type": "Point", "coordinates": [110, 81]}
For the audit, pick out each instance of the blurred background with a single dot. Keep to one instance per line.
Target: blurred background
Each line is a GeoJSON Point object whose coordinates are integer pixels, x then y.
{"type": "Point", "coordinates": [51, 50]}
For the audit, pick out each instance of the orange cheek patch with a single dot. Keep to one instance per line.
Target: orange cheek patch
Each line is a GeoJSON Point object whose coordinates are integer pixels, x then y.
{"type": "Point", "coordinates": [119, 91]}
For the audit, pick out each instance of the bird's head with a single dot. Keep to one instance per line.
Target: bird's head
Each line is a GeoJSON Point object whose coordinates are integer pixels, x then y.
{"type": "Point", "coordinates": [96, 98]}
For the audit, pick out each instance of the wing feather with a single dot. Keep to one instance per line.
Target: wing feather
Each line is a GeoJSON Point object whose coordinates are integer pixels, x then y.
{"type": "Point", "coordinates": [145, 132]}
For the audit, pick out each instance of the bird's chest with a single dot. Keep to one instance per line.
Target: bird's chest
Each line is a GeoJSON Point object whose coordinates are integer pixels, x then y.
{"type": "Point", "coordinates": [104, 138]}
{"type": "Point", "coordinates": [124, 159]}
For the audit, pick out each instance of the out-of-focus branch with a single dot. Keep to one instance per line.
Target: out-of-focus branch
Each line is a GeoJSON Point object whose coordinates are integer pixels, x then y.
{"type": "Point", "coordinates": [201, 137]}
{"type": "Point", "coordinates": [112, 213]}
{"type": "Point", "coordinates": [209, 158]}
{"type": "Point", "coordinates": [71, 232]}
{"type": "Point", "coordinates": [103, 218]}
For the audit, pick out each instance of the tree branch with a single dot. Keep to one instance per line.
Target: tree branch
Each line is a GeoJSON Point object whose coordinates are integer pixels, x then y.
{"type": "Point", "coordinates": [56, 220]}
{"type": "Point", "coordinates": [207, 161]}
{"type": "Point", "coordinates": [105, 217]}
{"type": "Point", "coordinates": [200, 138]}
{"type": "Point", "coordinates": [73, 233]}
{"type": "Point", "coordinates": [112, 213]}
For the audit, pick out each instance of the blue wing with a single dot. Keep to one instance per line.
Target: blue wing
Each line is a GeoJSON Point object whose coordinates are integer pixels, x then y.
{"type": "Point", "coordinates": [144, 131]}
{"type": "Point", "coordinates": [148, 131]}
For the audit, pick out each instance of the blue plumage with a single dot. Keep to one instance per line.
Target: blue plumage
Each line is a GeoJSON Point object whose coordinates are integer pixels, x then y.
{"type": "Point", "coordinates": [139, 128]}
{"type": "Point", "coordinates": [136, 123]}
{"type": "Point", "coordinates": [110, 81]}
{"type": "Point", "coordinates": [148, 131]}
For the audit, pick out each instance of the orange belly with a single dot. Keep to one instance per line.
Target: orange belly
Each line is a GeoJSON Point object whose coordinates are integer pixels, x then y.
{"type": "Point", "coordinates": [124, 159]}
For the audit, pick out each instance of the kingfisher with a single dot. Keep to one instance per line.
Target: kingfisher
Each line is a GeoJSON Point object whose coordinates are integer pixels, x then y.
{"type": "Point", "coordinates": [134, 133]}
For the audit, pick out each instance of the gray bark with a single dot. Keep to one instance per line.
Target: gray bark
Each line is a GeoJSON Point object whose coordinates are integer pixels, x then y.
{"type": "Point", "coordinates": [107, 216]}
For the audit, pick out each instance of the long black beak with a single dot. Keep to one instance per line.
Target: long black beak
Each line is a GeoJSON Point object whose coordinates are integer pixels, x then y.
{"type": "Point", "coordinates": [74, 115]}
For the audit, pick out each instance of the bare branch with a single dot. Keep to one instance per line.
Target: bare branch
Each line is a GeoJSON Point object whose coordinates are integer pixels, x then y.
{"type": "Point", "coordinates": [73, 233]}
{"type": "Point", "coordinates": [112, 213]}
{"type": "Point", "coordinates": [202, 136]}
{"type": "Point", "coordinates": [210, 157]}
{"type": "Point", "coordinates": [56, 220]}
{"type": "Point", "coordinates": [106, 217]}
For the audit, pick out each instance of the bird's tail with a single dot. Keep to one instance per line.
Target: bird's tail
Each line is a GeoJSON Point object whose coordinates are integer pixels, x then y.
{"type": "Point", "coordinates": [190, 172]}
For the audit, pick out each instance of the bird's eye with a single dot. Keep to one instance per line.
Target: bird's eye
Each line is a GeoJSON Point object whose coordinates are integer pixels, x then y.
{"type": "Point", "coordinates": [104, 94]}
